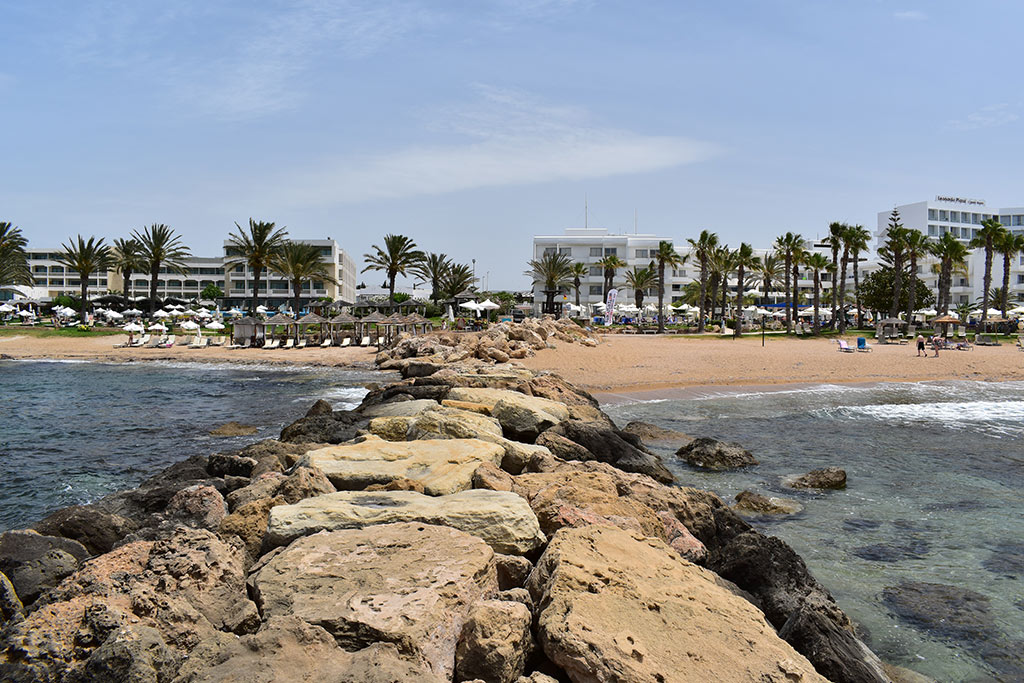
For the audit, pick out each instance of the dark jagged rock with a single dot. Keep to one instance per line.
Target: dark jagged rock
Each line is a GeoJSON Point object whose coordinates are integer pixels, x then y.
{"type": "Point", "coordinates": [35, 563]}
{"type": "Point", "coordinates": [711, 454]}
{"type": "Point", "coordinates": [92, 526]}
{"type": "Point", "coordinates": [835, 652]}
{"type": "Point", "coordinates": [612, 447]}
{"type": "Point", "coordinates": [826, 478]}
{"type": "Point", "coordinates": [335, 428]}
{"type": "Point", "coordinates": [221, 464]}
{"type": "Point", "coordinates": [321, 407]}
{"type": "Point", "coordinates": [11, 607]}
{"type": "Point", "coordinates": [653, 433]}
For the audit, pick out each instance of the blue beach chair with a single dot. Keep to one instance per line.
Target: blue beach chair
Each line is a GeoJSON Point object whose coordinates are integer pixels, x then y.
{"type": "Point", "coordinates": [862, 344]}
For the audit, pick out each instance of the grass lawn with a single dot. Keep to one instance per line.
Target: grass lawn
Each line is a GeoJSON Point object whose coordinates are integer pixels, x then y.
{"type": "Point", "coordinates": [42, 332]}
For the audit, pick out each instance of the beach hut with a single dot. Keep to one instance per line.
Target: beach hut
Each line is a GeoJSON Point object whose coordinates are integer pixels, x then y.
{"type": "Point", "coordinates": [245, 329]}
{"type": "Point", "coordinates": [341, 320]}
{"type": "Point", "coordinates": [363, 327]}
{"type": "Point", "coordinates": [310, 319]}
{"type": "Point", "coordinates": [279, 320]}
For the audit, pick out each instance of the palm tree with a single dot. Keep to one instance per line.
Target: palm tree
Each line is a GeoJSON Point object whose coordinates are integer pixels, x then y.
{"type": "Point", "coordinates": [836, 230]}
{"type": "Point", "coordinates": [800, 255]}
{"type": "Point", "coordinates": [703, 248]}
{"type": "Point", "coordinates": [952, 255]}
{"type": "Point", "coordinates": [843, 263]}
{"type": "Point", "coordinates": [398, 257]}
{"type": "Point", "coordinates": [893, 252]}
{"type": "Point", "coordinates": [964, 310]}
{"type": "Point", "coordinates": [458, 278]}
{"type": "Point", "coordinates": [432, 270]}
{"type": "Point", "coordinates": [127, 260]}
{"type": "Point", "coordinates": [1009, 245]}
{"type": "Point", "coordinates": [915, 245]}
{"type": "Point", "coordinates": [989, 232]}
{"type": "Point", "coordinates": [665, 257]}
{"type": "Point", "coordinates": [640, 280]}
{"type": "Point", "coordinates": [160, 247]}
{"type": "Point", "coordinates": [610, 264]}
{"type": "Point", "coordinates": [743, 258]}
{"type": "Point", "coordinates": [724, 264]}
{"type": "Point", "coordinates": [255, 248]}
{"type": "Point", "coordinates": [551, 271]}
{"type": "Point", "coordinates": [857, 239]}
{"type": "Point", "coordinates": [300, 263]}
{"type": "Point", "coordinates": [817, 263]}
{"type": "Point", "coordinates": [788, 245]}
{"type": "Point", "coordinates": [768, 269]}
{"type": "Point", "coordinates": [14, 268]}
{"type": "Point", "coordinates": [85, 257]}
{"type": "Point", "coordinates": [578, 271]}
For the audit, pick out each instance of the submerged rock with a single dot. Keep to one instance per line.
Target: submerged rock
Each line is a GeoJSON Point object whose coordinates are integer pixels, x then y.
{"type": "Point", "coordinates": [894, 551]}
{"type": "Point", "coordinates": [233, 429]}
{"type": "Point", "coordinates": [1007, 559]}
{"type": "Point", "coordinates": [944, 611]}
{"type": "Point", "coordinates": [650, 433]}
{"type": "Point", "coordinates": [711, 454]}
{"type": "Point", "coordinates": [826, 478]}
{"type": "Point", "coordinates": [754, 503]}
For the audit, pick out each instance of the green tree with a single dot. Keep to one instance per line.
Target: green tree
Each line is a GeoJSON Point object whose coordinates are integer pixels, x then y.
{"type": "Point", "coordinates": [800, 255]}
{"type": "Point", "coordinates": [211, 292]}
{"type": "Point", "coordinates": [432, 270]}
{"type": "Point", "coordinates": [844, 262]}
{"type": "Point", "coordinates": [640, 280]}
{"type": "Point", "coordinates": [254, 248]}
{"type": "Point", "coordinates": [768, 269]}
{"type": "Point", "coordinates": [893, 253]}
{"type": "Point", "coordinates": [877, 288]}
{"type": "Point", "coordinates": [836, 231]}
{"type": "Point", "coordinates": [458, 278]}
{"type": "Point", "coordinates": [915, 246]}
{"type": "Point", "coordinates": [1009, 245]}
{"type": "Point", "coordinates": [990, 231]}
{"type": "Point", "coordinates": [665, 257]}
{"type": "Point", "coordinates": [789, 246]}
{"type": "Point", "coordinates": [743, 258]}
{"type": "Point", "coordinates": [127, 260]}
{"type": "Point", "coordinates": [398, 257]}
{"type": "Point", "coordinates": [817, 263]}
{"type": "Point", "coordinates": [87, 257]}
{"type": "Point", "coordinates": [857, 239]}
{"type": "Point", "coordinates": [161, 248]}
{"type": "Point", "coordinates": [703, 249]}
{"type": "Point", "coordinates": [609, 265]}
{"type": "Point", "coordinates": [952, 256]}
{"type": "Point", "coordinates": [578, 272]}
{"type": "Point", "coordinates": [14, 268]}
{"type": "Point", "coordinates": [300, 263]}
{"type": "Point", "coordinates": [551, 271]}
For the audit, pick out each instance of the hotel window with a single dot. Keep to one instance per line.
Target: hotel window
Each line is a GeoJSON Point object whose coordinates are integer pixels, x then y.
{"type": "Point", "coordinates": [954, 216]}
{"type": "Point", "coordinates": [611, 251]}
{"type": "Point", "coordinates": [596, 270]}
{"type": "Point", "coordinates": [943, 229]}
{"type": "Point", "coordinates": [976, 218]}
{"type": "Point", "coordinates": [943, 215]}
{"type": "Point", "coordinates": [1005, 220]}
{"type": "Point", "coordinates": [1022, 260]}
{"type": "Point", "coordinates": [677, 288]}
{"type": "Point", "coordinates": [41, 283]}
{"type": "Point", "coordinates": [1018, 219]}
{"type": "Point", "coordinates": [549, 251]}
{"type": "Point", "coordinates": [1020, 279]}
{"type": "Point", "coordinates": [39, 269]}
{"type": "Point", "coordinates": [565, 251]}
{"type": "Point", "coordinates": [932, 230]}
{"type": "Point", "coordinates": [595, 251]}
{"type": "Point", "coordinates": [932, 214]}
{"type": "Point", "coordinates": [596, 289]}
{"type": "Point", "coordinates": [678, 273]}
{"type": "Point", "coordinates": [955, 231]}
{"type": "Point", "coordinates": [974, 233]}
{"type": "Point", "coordinates": [642, 253]}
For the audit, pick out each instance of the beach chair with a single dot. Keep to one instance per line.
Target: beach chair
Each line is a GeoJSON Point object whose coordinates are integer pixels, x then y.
{"type": "Point", "coordinates": [985, 340]}
{"type": "Point", "coordinates": [199, 342]}
{"type": "Point", "coordinates": [365, 341]}
{"type": "Point", "coordinates": [347, 341]}
{"type": "Point", "coordinates": [326, 342]}
{"type": "Point", "coordinates": [141, 341]}
{"type": "Point", "coordinates": [862, 344]}
{"type": "Point", "coordinates": [289, 343]}
{"type": "Point", "coordinates": [1020, 342]}
{"type": "Point", "coordinates": [167, 343]}
{"type": "Point", "coordinates": [272, 344]}
{"type": "Point", "coordinates": [121, 344]}
{"type": "Point", "coordinates": [911, 332]}
{"type": "Point", "coordinates": [843, 346]}
{"type": "Point", "coordinates": [301, 344]}
{"type": "Point", "coordinates": [188, 340]}
{"type": "Point", "coordinates": [156, 342]}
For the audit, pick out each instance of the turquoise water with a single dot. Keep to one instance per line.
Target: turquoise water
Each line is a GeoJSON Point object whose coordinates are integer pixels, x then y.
{"type": "Point", "coordinates": [72, 432]}
{"type": "Point", "coordinates": [935, 473]}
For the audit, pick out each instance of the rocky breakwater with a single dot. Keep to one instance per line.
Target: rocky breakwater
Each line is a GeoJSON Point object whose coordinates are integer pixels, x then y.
{"type": "Point", "coordinates": [472, 522]}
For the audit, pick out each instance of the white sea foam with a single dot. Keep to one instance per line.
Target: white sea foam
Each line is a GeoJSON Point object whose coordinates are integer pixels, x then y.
{"type": "Point", "coordinates": [994, 418]}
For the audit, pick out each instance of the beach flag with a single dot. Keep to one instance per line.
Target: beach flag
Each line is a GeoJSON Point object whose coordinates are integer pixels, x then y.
{"type": "Point", "coordinates": [609, 307]}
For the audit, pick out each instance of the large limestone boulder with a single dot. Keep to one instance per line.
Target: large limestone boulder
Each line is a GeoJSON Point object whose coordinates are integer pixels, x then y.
{"type": "Point", "coordinates": [490, 397]}
{"type": "Point", "coordinates": [524, 422]}
{"type": "Point", "coordinates": [409, 584]}
{"type": "Point", "coordinates": [34, 563]}
{"type": "Point", "coordinates": [620, 607]}
{"type": "Point", "coordinates": [442, 466]}
{"type": "Point", "coordinates": [502, 519]}
{"type": "Point", "coordinates": [825, 478]}
{"type": "Point", "coordinates": [711, 454]}
{"type": "Point", "coordinates": [496, 642]}
{"type": "Point", "coordinates": [399, 408]}
{"type": "Point", "coordinates": [607, 445]}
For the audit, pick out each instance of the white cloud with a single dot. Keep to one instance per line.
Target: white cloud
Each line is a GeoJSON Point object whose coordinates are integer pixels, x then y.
{"type": "Point", "coordinates": [986, 117]}
{"type": "Point", "coordinates": [910, 15]}
{"type": "Point", "coordinates": [511, 139]}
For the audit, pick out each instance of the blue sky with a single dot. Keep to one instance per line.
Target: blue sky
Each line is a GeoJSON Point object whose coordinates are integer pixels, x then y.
{"type": "Point", "coordinates": [471, 126]}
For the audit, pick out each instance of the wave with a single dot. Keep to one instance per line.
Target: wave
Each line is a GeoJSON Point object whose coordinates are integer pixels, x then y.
{"type": "Point", "coordinates": [992, 418]}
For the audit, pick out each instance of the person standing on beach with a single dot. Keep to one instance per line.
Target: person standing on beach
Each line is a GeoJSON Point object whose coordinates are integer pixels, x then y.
{"type": "Point", "coordinates": [920, 346]}
{"type": "Point", "coordinates": [935, 343]}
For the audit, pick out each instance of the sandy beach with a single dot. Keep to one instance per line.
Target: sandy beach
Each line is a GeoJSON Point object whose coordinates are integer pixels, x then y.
{"type": "Point", "coordinates": [101, 349]}
{"type": "Point", "coordinates": [652, 364]}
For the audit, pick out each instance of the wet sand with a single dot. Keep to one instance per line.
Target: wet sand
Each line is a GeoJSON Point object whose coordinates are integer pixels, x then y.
{"type": "Point", "coordinates": [660, 366]}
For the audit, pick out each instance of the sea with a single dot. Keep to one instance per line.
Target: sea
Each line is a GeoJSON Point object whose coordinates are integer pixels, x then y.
{"type": "Point", "coordinates": [934, 497]}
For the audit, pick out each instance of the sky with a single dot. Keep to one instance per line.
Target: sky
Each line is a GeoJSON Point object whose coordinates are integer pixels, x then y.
{"type": "Point", "coordinates": [472, 126]}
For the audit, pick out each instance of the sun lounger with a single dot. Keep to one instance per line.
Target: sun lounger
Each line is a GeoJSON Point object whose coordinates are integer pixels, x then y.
{"type": "Point", "coordinates": [199, 342]}
{"type": "Point", "coordinates": [347, 341]}
{"type": "Point", "coordinates": [141, 341]}
{"type": "Point", "coordinates": [289, 343]}
{"type": "Point", "coordinates": [243, 345]}
{"type": "Point", "coordinates": [326, 342]}
{"type": "Point", "coordinates": [964, 345]}
{"type": "Point", "coordinates": [862, 344]}
{"type": "Point", "coordinates": [843, 346]}
{"type": "Point", "coordinates": [301, 344]}
{"type": "Point", "coordinates": [986, 340]}
{"type": "Point", "coordinates": [167, 343]}
{"type": "Point", "coordinates": [121, 344]}
{"type": "Point", "coordinates": [156, 343]}
{"type": "Point", "coordinates": [365, 342]}
{"type": "Point", "coordinates": [1020, 342]}
{"type": "Point", "coordinates": [272, 344]}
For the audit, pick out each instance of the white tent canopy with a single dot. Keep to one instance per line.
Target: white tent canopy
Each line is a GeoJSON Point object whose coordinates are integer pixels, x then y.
{"type": "Point", "coordinates": [489, 305]}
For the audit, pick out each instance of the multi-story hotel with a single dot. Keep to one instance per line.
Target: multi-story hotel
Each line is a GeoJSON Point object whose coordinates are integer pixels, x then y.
{"type": "Point", "coordinates": [53, 279]}
{"type": "Point", "coordinates": [960, 216]}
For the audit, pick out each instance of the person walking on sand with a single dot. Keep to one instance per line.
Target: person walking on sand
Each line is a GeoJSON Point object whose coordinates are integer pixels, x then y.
{"type": "Point", "coordinates": [935, 343]}
{"type": "Point", "coordinates": [920, 346]}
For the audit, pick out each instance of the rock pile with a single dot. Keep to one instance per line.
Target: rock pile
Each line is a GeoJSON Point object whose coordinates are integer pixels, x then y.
{"type": "Point", "coordinates": [471, 522]}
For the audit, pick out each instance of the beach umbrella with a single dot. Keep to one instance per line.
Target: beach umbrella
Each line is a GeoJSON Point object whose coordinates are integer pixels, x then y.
{"type": "Point", "coordinates": [489, 305]}
{"type": "Point", "coordinates": [994, 313]}
{"type": "Point", "coordinates": [26, 314]}
{"type": "Point", "coordinates": [114, 315]}
{"type": "Point", "coordinates": [132, 327]}
{"type": "Point", "coordinates": [215, 325]}
{"type": "Point", "coordinates": [133, 311]}
{"type": "Point", "coordinates": [470, 305]}
{"type": "Point", "coordinates": [189, 325]}
{"type": "Point", "coordinates": [946, 319]}
{"type": "Point", "coordinates": [261, 309]}
{"type": "Point", "coordinates": [203, 313]}
{"type": "Point", "coordinates": [6, 308]}
{"type": "Point", "coordinates": [451, 314]}
{"type": "Point", "coordinates": [159, 327]}
{"type": "Point", "coordinates": [161, 314]}
{"type": "Point", "coordinates": [235, 312]}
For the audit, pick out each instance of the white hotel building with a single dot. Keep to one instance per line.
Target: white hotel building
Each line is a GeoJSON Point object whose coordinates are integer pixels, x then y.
{"type": "Point", "coordinates": [960, 216]}
{"type": "Point", "coordinates": [590, 245]}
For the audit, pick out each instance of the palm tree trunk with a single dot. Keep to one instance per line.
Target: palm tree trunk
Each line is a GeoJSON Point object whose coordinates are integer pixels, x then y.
{"type": "Point", "coordinates": [391, 288]}
{"type": "Point", "coordinates": [789, 315]}
{"type": "Point", "coordinates": [127, 275]}
{"type": "Point", "coordinates": [817, 294]}
{"type": "Point", "coordinates": [897, 286]}
{"type": "Point", "coordinates": [297, 289]}
{"type": "Point", "coordinates": [912, 289]}
{"type": "Point", "coordinates": [856, 289]}
{"type": "Point", "coordinates": [703, 293]}
{"type": "Point", "coordinates": [85, 294]}
{"type": "Point", "coordinates": [796, 289]}
{"type": "Point", "coordinates": [661, 298]}
{"type": "Point", "coordinates": [725, 294]}
{"type": "Point", "coordinates": [256, 272]}
{"type": "Point", "coordinates": [154, 273]}
{"type": "Point", "coordinates": [835, 271]}
{"type": "Point", "coordinates": [739, 301]}
{"type": "Point", "coordinates": [987, 282]}
{"type": "Point", "coordinates": [577, 285]}
{"type": "Point", "coordinates": [1006, 281]}
{"type": "Point", "coordinates": [842, 289]}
